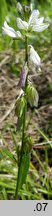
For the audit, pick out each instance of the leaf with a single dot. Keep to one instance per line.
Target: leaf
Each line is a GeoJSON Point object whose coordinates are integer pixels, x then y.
{"type": "Point", "coordinates": [18, 101]}
{"type": "Point", "coordinates": [23, 169]}
{"type": "Point", "coordinates": [3, 12]}
{"type": "Point", "coordinates": [6, 152]}
{"type": "Point", "coordinates": [19, 110]}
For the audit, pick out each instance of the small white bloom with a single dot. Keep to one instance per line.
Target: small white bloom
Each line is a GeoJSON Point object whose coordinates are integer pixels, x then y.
{"type": "Point", "coordinates": [34, 24]}
{"type": "Point", "coordinates": [22, 24]}
{"type": "Point", "coordinates": [34, 57]}
{"type": "Point", "coordinates": [33, 17]}
{"type": "Point", "coordinates": [10, 31]}
{"type": "Point", "coordinates": [37, 23]}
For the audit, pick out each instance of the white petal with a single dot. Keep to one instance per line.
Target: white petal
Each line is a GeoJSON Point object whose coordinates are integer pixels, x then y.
{"type": "Point", "coordinates": [40, 28]}
{"type": "Point", "coordinates": [33, 16]}
{"type": "Point", "coordinates": [34, 57]}
{"type": "Point", "coordinates": [19, 34]}
{"type": "Point", "coordinates": [40, 20]}
{"type": "Point", "coordinates": [22, 24]}
{"type": "Point", "coordinates": [8, 27]}
{"type": "Point", "coordinates": [9, 31]}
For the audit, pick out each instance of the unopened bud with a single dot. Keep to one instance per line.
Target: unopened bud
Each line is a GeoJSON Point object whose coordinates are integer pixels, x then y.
{"type": "Point", "coordinates": [19, 8]}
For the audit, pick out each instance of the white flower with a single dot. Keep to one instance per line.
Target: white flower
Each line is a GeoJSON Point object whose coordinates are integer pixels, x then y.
{"type": "Point", "coordinates": [34, 24]}
{"type": "Point", "coordinates": [34, 57]}
{"type": "Point", "coordinates": [10, 31]}
{"type": "Point", "coordinates": [33, 17]}
{"type": "Point", "coordinates": [22, 24]}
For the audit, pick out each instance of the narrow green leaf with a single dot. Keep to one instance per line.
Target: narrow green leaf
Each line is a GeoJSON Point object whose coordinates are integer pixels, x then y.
{"type": "Point", "coordinates": [3, 12]}
{"type": "Point", "coordinates": [19, 110]}
{"type": "Point", "coordinates": [23, 169]}
{"type": "Point", "coordinates": [6, 152]}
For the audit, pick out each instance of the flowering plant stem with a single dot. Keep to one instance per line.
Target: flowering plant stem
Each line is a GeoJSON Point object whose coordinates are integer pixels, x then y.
{"type": "Point", "coordinates": [24, 121]}
{"type": "Point", "coordinates": [22, 148]}
{"type": "Point", "coordinates": [26, 49]}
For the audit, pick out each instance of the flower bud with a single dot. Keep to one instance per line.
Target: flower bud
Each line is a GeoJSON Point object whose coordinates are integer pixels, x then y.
{"type": "Point", "coordinates": [19, 8]}
{"type": "Point", "coordinates": [32, 95]}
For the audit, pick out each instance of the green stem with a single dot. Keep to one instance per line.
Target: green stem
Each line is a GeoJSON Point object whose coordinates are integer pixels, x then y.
{"type": "Point", "coordinates": [24, 121]}
{"type": "Point", "coordinates": [26, 57]}
{"type": "Point", "coordinates": [13, 46]}
{"type": "Point", "coordinates": [22, 148]}
{"type": "Point", "coordinates": [13, 51]}
{"type": "Point", "coordinates": [26, 49]}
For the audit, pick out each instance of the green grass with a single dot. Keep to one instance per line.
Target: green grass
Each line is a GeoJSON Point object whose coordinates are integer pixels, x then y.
{"type": "Point", "coordinates": [38, 184]}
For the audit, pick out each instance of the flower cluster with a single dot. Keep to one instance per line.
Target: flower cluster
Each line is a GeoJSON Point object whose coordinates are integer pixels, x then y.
{"type": "Point", "coordinates": [10, 31]}
{"type": "Point", "coordinates": [34, 24]}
